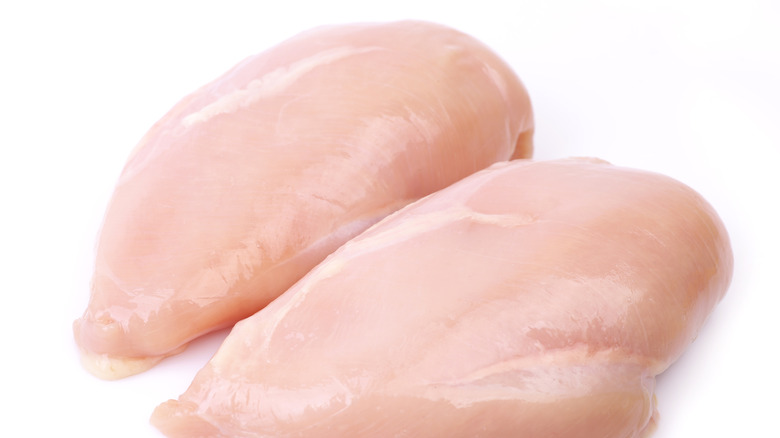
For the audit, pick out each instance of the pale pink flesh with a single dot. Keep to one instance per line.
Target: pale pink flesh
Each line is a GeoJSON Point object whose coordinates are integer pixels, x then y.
{"type": "Point", "coordinates": [530, 299]}
{"type": "Point", "coordinates": [252, 180]}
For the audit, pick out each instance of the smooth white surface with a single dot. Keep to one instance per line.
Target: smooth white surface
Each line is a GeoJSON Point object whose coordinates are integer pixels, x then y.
{"type": "Point", "coordinates": [685, 88]}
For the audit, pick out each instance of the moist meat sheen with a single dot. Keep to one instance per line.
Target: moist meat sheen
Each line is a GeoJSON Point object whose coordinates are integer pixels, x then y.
{"type": "Point", "coordinates": [249, 182]}
{"type": "Point", "coordinates": [535, 299]}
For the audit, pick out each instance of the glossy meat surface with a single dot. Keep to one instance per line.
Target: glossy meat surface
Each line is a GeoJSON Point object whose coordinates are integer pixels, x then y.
{"type": "Point", "coordinates": [534, 299]}
{"type": "Point", "coordinates": [249, 182]}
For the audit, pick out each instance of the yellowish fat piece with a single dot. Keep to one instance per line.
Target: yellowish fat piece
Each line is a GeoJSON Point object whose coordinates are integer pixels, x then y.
{"type": "Point", "coordinates": [109, 367]}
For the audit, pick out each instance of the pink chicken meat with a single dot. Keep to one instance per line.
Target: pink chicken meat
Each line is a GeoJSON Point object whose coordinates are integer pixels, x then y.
{"type": "Point", "coordinates": [248, 183]}
{"type": "Point", "coordinates": [535, 299]}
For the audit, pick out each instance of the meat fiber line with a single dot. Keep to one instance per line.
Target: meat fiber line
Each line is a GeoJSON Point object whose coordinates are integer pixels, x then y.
{"type": "Point", "coordinates": [359, 201]}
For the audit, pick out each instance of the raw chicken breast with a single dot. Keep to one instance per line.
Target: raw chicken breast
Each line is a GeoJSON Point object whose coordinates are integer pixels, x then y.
{"type": "Point", "coordinates": [251, 181]}
{"type": "Point", "coordinates": [531, 299]}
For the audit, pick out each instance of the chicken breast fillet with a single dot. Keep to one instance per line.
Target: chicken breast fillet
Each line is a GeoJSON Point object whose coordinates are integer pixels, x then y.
{"type": "Point", "coordinates": [533, 299]}
{"type": "Point", "coordinates": [248, 183]}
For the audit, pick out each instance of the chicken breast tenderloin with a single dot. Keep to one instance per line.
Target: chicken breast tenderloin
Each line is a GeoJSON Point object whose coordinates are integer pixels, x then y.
{"type": "Point", "coordinates": [534, 299]}
{"type": "Point", "coordinates": [252, 180]}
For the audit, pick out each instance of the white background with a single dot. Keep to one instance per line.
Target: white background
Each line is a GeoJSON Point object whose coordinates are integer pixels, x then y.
{"type": "Point", "coordinates": [685, 88]}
